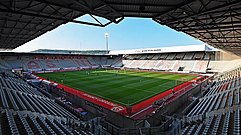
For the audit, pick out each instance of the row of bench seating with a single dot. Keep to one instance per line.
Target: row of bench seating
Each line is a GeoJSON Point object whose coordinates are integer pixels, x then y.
{"type": "Point", "coordinates": [29, 123]}
{"type": "Point", "coordinates": [21, 101]}
{"type": "Point", "coordinates": [218, 111]}
{"type": "Point", "coordinates": [18, 86]}
{"type": "Point", "coordinates": [224, 85]}
{"type": "Point", "coordinates": [25, 110]}
{"type": "Point", "coordinates": [217, 101]}
{"type": "Point", "coordinates": [225, 124]}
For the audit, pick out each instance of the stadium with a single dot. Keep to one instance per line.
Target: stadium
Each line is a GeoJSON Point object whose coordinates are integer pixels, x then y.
{"type": "Point", "coordinates": [170, 90]}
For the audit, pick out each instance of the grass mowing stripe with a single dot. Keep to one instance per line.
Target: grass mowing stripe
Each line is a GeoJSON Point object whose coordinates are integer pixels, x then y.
{"type": "Point", "coordinates": [120, 86]}
{"type": "Point", "coordinates": [116, 81]}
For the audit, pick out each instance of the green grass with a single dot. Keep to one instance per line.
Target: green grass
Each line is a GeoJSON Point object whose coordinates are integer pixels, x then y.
{"type": "Point", "coordinates": [123, 87]}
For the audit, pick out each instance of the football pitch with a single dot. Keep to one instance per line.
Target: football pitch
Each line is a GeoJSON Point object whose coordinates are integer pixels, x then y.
{"type": "Point", "coordinates": [125, 87]}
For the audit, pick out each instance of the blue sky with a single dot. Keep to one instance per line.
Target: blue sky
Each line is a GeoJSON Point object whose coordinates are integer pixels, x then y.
{"type": "Point", "coordinates": [131, 33]}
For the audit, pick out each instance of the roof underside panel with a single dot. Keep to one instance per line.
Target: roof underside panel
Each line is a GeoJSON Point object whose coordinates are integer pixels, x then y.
{"type": "Point", "coordinates": [22, 21]}
{"type": "Point", "coordinates": [216, 22]}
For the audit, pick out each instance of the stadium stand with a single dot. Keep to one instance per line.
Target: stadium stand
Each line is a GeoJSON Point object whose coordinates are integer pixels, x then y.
{"type": "Point", "coordinates": [136, 63]}
{"type": "Point", "coordinates": [116, 62]}
{"type": "Point", "coordinates": [137, 57]}
{"type": "Point", "coordinates": [84, 63]}
{"type": "Point", "coordinates": [156, 57]}
{"type": "Point", "coordinates": [222, 66]}
{"type": "Point", "coordinates": [200, 66]}
{"type": "Point", "coordinates": [150, 56]}
{"type": "Point", "coordinates": [176, 62]}
{"type": "Point", "coordinates": [3, 65]}
{"type": "Point", "coordinates": [96, 61]}
{"type": "Point", "coordinates": [167, 65]}
{"type": "Point", "coordinates": [177, 66]}
{"type": "Point", "coordinates": [143, 57]}
{"type": "Point", "coordinates": [149, 64]}
{"type": "Point", "coordinates": [187, 65]}
{"type": "Point", "coordinates": [217, 112]}
{"type": "Point", "coordinates": [163, 56]}
{"type": "Point", "coordinates": [179, 56]}
{"type": "Point", "coordinates": [127, 63]}
{"type": "Point", "coordinates": [103, 60]}
{"type": "Point", "coordinates": [67, 63]}
{"type": "Point", "coordinates": [15, 64]}
{"type": "Point", "coordinates": [188, 56]}
{"type": "Point", "coordinates": [50, 64]}
{"type": "Point", "coordinates": [57, 63]}
{"type": "Point", "coordinates": [207, 56]}
{"type": "Point", "coordinates": [171, 56]}
{"type": "Point", "coordinates": [27, 111]}
{"type": "Point", "coordinates": [198, 55]}
{"type": "Point", "coordinates": [32, 65]}
{"type": "Point", "coordinates": [226, 123]}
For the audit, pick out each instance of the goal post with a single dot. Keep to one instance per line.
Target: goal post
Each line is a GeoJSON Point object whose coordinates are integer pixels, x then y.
{"type": "Point", "coordinates": [181, 81]}
{"type": "Point", "coordinates": [173, 83]}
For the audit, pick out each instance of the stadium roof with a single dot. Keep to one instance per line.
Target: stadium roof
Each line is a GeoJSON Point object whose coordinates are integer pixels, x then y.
{"type": "Point", "coordinates": [216, 22]}
{"type": "Point", "coordinates": [171, 49]}
{"type": "Point", "coordinates": [85, 52]}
